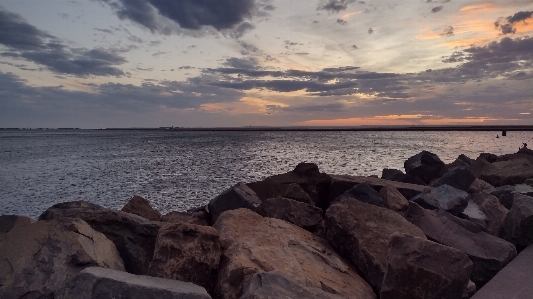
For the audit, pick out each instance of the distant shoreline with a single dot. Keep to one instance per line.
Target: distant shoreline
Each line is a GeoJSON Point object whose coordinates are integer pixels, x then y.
{"type": "Point", "coordinates": [309, 129]}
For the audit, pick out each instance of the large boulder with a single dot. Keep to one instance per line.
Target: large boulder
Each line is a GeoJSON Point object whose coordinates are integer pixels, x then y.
{"type": "Point", "coordinates": [474, 213]}
{"type": "Point", "coordinates": [494, 211]}
{"type": "Point", "coordinates": [9, 222]}
{"type": "Point", "coordinates": [505, 194]}
{"type": "Point", "coordinates": [458, 177]}
{"type": "Point", "coordinates": [100, 283]}
{"type": "Point", "coordinates": [488, 253]}
{"type": "Point", "coordinates": [361, 233]}
{"type": "Point", "coordinates": [35, 259]}
{"type": "Point", "coordinates": [478, 186]}
{"type": "Point", "coordinates": [187, 252]}
{"type": "Point", "coordinates": [252, 244]}
{"type": "Point", "coordinates": [421, 269]}
{"type": "Point", "coordinates": [398, 176]}
{"type": "Point", "coordinates": [134, 236]}
{"type": "Point", "coordinates": [306, 175]}
{"type": "Point", "coordinates": [236, 197]}
{"type": "Point", "coordinates": [393, 199]}
{"type": "Point", "coordinates": [424, 165]}
{"type": "Point", "coordinates": [364, 193]}
{"type": "Point", "coordinates": [298, 213]}
{"type": "Point", "coordinates": [510, 172]}
{"type": "Point", "coordinates": [141, 207]}
{"type": "Point", "coordinates": [444, 197]}
{"type": "Point", "coordinates": [200, 217]}
{"type": "Point", "coordinates": [342, 183]}
{"type": "Point", "coordinates": [518, 223]}
{"type": "Point", "coordinates": [273, 285]}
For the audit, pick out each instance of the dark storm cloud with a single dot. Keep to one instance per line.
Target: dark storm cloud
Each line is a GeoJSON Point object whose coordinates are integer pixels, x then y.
{"type": "Point", "coordinates": [505, 25]}
{"type": "Point", "coordinates": [242, 29]}
{"type": "Point", "coordinates": [188, 14]}
{"type": "Point", "coordinates": [436, 9]}
{"type": "Point", "coordinates": [25, 41]}
{"type": "Point", "coordinates": [334, 5]}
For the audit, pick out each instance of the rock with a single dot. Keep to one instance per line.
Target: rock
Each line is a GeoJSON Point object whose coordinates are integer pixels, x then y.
{"type": "Point", "coordinates": [9, 222]}
{"type": "Point", "coordinates": [513, 281]}
{"type": "Point", "coordinates": [198, 218]}
{"type": "Point", "coordinates": [458, 177]}
{"type": "Point", "coordinates": [488, 157]}
{"type": "Point", "coordinates": [518, 223]}
{"type": "Point", "coordinates": [474, 213]}
{"type": "Point", "coordinates": [421, 269]}
{"type": "Point", "coordinates": [295, 192]}
{"type": "Point", "coordinates": [444, 197]}
{"type": "Point", "coordinates": [478, 186]}
{"type": "Point", "coordinates": [35, 259]}
{"type": "Point", "coordinates": [236, 197]}
{"type": "Point", "coordinates": [424, 165]}
{"type": "Point", "coordinates": [134, 236]}
{"type": "Point", "coordinates": [398, 176]}
{"type": "Point", "coordinates": [361, 233]}
{"type": "Point", "coordinates": [465, 159]}
{"type": "Point", "coordinates": [187, 252]}
{"type": "Point", "coordinates": [505, 194]}
{"type": "Point", "coordinates": [393, 199]}
{"type": "Point", "coordinates": [494, 211]}
{"type": "Point", "coordinates": [141, 207]}
{"type": "Point", "coordinates": [341, 183]}
{"type": "Point", "coordinates": [306, 175]}
{"type": "Point", "coordinates": [363, 193]}
{"type": "Point", "coordinates": [298, 213]}
{"type": "Point", "coordinates": [100, 283]}
{"type": "Point", "coordinates": [252, 244]}
{"type": "Point", "coordinates": [529, 182]}
{"type": "Point", "coordinates": [469, 290]}
{"type": "Point", "coordinates": [503, 173]}
{"type": "Point", "coordinates": [273, 284]}
{"type": "Point", "coordinates": [269, 188]}
{"type": "Point", "coordinates": [488, 253]}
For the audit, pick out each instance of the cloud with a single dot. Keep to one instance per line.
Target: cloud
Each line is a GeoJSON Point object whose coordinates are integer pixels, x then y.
{"type": "Point", "coordinates": [334, 5]}
{"type": "Point", "coordinates": [354, 47]}
{"type": "Point", "coordinates": [162, 15]}
{"type": "Point", "coordinates": [436, 9]}
{"type": "Point", "coordinates": [447, 31]}
{"type": "Point", "coordinates": [341, 22]}
{"type": "Point", "coordinates": [505, 25]}
{"type": "Point", "coordinates": [242, 29]}
{"type": "Point", "coordinates": [370, 30]}
{"type": "Point", "coordinates": [25, 41]}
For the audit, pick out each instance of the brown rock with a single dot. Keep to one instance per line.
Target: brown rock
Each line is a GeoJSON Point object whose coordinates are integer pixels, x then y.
{"type": "Point", "coordinates": [187, 252]}
{"type": "Point", "coordinates": [494, 211]}
{"type": "Point", "coordinates": [36, 259]}
{"type": "Point", "coordinates": [518, 223]}
{"type": "Point", "coordinates": [298, 213]}
{"type": "Point", "coordinates": [252, 244]}
{"type": "Point", "coordinates": [141, 207]}
{"type": "Point", "coordinates": [479, 186]}
{"type": "Point", "coordinates": [134, 236]}
{"type": "Point", "coordinates": [236, 197]}
{"type": "Point", "coordinates": [9, 222]}
{"type": "Point", "coordinates": [361, 233]}
{"type": "Point", "coordinates": [393, 199]}
{"type": "Point", "coordinates": [198, 218]}
{"type": "Point", "coordinates": [510, 172]}
{"type": "Point", "coordinates": [488, 253]}
{"type": "Point", "coordinates": [421, 269]}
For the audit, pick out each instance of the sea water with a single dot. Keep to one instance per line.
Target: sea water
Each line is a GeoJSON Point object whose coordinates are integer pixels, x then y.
{"type": "Point", "coordinates": [177, 170]}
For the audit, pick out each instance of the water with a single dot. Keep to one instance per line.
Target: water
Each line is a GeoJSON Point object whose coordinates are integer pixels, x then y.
{"type": "Point", "coordinates": [180, 170]}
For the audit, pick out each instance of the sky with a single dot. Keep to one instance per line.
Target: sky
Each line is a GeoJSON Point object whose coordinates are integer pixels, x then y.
{"type": "Point", "coordinates": [234, 63]}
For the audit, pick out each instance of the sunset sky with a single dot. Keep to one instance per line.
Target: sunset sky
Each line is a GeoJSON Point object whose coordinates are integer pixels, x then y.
{"type": "Point", "coordinates": [231, 63]}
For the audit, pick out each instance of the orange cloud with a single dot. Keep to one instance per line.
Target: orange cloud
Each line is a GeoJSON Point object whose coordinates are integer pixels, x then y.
{"type": "Point", "coordinates": [398, 120]}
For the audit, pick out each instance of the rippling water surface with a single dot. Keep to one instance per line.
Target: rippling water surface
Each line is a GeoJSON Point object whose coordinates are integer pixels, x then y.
{"type": "Point", "coordinates": [180, 170]}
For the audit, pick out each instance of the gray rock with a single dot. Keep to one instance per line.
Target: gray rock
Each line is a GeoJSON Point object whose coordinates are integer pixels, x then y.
{"type": "Point", "coordinates": [36, 259]}
{"type": "Point", "coordinates": [424, 165]}
{"type": "Point", "coordinates": [236, 197]}
{"type": "Point", "coordinates": [518, 223]}
{"type": "Point", "coordinates": [421, 269]}
{"type": "Point", "coordinates": [494, 211]}
{"type": "Point", "coordinates": [298, 213]}
{"type": "Point", "coordinates": [100, 283]}
{"type": "Point", "coordinates": [9, 222]}
{"type": "Point", "coordinates": [505, 194]}
{"type": "Point", "coordinates": [501, 173]}
{"type": "Point", "coordinates": [444, 197]}
{"type": "Point", "coordinates": [513, 281]}
{"type": "Point", "coordinates": [458, 177]}
{"type": "Point", "coordinates": [187, 252]}
{"type": "Point", "coordinates": [274, 285]}
{"type": "Point", "coordinates": [134, 236]}
{"type": "Point", "coordinates": [363, 193]}
{"type": "Point", "coordinates": [361, 233]}
{"type": "Point", "coordinates": [398, 176]}
{"type": "Point", "coordinates": [474, 213]}
{"type": "Point", "coordinates": [488, 253]}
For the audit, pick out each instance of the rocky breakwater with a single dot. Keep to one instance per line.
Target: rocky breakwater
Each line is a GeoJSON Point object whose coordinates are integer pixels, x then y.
{"type": "Point", "coordinates": [435, 231]}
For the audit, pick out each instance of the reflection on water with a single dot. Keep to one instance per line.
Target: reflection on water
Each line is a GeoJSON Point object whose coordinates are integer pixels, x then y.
{"type": "Point", "coordinates": [179, 170]}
